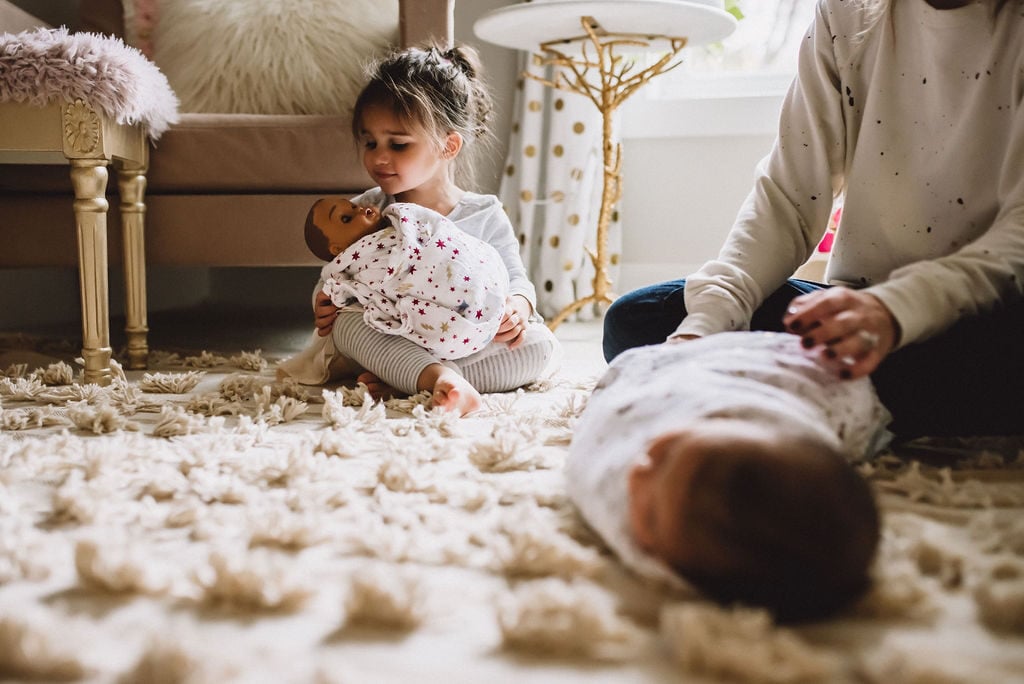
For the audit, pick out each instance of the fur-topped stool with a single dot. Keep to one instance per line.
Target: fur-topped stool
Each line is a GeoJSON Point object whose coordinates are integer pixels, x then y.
{"type": "Point", "coordinates": [89, 100]}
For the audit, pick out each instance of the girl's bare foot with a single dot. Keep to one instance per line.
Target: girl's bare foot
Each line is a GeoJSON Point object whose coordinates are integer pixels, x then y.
{"type": "Point", "coordinates": [449, 390]}
{"type": "Point", "coordinates": [377, 388]}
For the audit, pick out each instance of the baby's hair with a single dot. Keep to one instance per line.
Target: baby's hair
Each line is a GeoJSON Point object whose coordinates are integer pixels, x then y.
{"type": "Point", "coordinates": [801, 534]}
{"type": "Point", "coordinates": [317, 242]}
{"type": "Point", "coordinates": [437, 91]}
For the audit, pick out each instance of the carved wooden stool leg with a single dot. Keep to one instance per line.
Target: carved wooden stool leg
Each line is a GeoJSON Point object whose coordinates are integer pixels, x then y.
{"type": "Point", "coordinates": [89, 179]}
{"type": "Point", "coordinates": [132, 185]}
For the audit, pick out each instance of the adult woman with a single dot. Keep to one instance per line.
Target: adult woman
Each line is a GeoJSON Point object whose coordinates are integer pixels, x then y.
{"type": "Point", "coordinates": [914, 111]}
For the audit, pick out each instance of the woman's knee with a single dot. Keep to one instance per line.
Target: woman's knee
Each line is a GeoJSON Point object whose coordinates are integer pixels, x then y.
{"type": "Point", "coordinates": [644, 316]}
{"type": "Point", "coordinates": [769, 315]}
{"type": "Point", "coordinates": [960, 367]}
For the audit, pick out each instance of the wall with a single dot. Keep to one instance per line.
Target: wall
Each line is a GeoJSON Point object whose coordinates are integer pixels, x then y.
{"type": "Point", "coordinates": [679, 199]}
{"type": "Point", "coordinates": [688, 164]}
{"type": "Point", "coordinates": [683, 183]}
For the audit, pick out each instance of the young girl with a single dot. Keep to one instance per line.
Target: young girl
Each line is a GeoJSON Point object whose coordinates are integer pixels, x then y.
{"type": "Point", "coordinates": [914, 110]}
{"type": "Point", "coordinates": [422, 110]}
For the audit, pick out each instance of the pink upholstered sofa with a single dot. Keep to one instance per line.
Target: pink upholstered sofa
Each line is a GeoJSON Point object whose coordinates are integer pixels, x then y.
{"type": "Point", "coordinates": [222, 189]}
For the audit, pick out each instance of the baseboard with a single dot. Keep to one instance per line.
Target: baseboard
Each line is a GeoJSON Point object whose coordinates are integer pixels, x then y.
{"type": "Point", "coordinates": [48, 296]}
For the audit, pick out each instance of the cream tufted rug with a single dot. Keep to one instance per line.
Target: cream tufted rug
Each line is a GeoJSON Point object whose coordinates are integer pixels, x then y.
{"type": "Point", "coordinates": [204, 523]}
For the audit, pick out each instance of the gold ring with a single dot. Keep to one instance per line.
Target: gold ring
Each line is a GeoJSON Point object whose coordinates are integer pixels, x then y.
{"type": "Point", "coordinates": [869, 339]}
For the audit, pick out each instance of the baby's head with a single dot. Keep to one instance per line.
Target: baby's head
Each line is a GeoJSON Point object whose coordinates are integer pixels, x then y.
{"type": "Point", "coordinates": [334, 223]}
{"type": "Point", "coordinates": [751, 515]}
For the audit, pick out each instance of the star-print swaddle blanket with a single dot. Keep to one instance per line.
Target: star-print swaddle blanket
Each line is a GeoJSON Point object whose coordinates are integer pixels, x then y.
{"type": "Point", "coordinates": [425, 279]}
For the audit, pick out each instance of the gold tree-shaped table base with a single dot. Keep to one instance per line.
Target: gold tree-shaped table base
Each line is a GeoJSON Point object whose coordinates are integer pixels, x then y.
{"type": "Point", "coordinates": [607, 78]}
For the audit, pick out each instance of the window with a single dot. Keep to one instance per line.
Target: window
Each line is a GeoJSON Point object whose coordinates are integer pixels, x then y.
{"type": "Point", "coordinates": [759, 58]}
{"type": "Point", "coordinates": [731, 88]}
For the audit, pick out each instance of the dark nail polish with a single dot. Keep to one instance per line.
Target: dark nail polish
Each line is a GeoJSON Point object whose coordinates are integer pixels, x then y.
{"type": "Point", "coordinates": [830, 353]}
{"type": "Point", "coordinates": [807, 342]}
{"type": "Point", "coordinates": [795, 326]}
{"type": "Point", "coordinates": [845, 374]}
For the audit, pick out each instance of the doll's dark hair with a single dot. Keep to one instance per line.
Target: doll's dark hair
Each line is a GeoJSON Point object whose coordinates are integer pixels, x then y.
{"type": "Point", "coordinates": [317, 242]}
{"type": "Point", "coordinates": [802, 534]}
{"type": "Point", "coordinates": [437, 90]}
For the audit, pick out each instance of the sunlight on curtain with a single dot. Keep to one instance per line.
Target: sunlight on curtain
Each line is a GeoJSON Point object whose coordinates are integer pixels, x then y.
{"type": "Point", "coordinates": [551, 189]}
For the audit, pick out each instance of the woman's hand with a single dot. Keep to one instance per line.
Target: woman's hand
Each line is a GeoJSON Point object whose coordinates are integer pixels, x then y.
{"type": "Point", "coordinates": [515, 321]}
{"type": "Point", "coordinates": [324, 313]}
{"type": "Point", "coordinates": [851, 330]}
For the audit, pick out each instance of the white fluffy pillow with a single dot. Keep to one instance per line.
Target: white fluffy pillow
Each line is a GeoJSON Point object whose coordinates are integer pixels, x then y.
{"type": "Point", "coordinates": [278, 57]}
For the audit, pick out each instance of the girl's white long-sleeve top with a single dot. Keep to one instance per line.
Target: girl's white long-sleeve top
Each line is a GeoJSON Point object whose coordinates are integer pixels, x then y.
{"type": "Point", "coordinates": [918, 120]}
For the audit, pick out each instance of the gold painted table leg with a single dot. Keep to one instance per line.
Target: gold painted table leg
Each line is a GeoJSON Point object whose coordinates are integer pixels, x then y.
{"type": "Point", "coordinates": [577, 305]}
{"type": "Point", "coordinates": [132, 186]}
{"type": "Point", "coordinates": [607, 79]}
{"type": "Point", "coordinates": [89, 179]}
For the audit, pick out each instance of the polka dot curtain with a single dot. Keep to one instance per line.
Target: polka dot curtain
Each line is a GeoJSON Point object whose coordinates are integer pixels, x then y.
{"type": "Point", "coordinates": [551, 190]}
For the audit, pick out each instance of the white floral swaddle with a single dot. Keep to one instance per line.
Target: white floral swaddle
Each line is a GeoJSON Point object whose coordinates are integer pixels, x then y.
{"type": "Point", "coordinates": [425, 279]}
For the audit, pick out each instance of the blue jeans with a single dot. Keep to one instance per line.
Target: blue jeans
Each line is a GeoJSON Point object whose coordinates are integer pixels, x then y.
{"type": "Point", "coordinates": [968, 380]}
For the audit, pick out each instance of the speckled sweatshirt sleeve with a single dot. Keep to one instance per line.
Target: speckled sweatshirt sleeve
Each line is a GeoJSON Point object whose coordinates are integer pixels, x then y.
{"type": "Point", "coordinates": [918, 120]}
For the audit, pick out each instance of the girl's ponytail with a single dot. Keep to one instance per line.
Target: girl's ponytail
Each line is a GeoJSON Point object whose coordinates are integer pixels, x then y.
{"type": "Point", "coordinates": [480, 102]}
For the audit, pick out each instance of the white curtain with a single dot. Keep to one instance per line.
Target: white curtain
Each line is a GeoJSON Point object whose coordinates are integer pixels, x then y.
{"type": "Point", "coordinates": [551, 189]}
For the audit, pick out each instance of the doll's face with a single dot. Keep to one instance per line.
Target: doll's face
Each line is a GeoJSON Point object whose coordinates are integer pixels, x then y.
{"type": "Point", "coordinates": [342, 222]}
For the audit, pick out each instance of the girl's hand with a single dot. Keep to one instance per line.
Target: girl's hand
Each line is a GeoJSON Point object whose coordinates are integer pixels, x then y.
{"type": "Point", "coordinates": [851, 330]}
{"type": "Point", "coordinates": [514, 322]}
{"type": "Point", "coordinates": [324, 313]}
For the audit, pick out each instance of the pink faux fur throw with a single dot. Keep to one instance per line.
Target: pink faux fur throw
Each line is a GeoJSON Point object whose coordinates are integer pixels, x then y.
{"type": "Point", "coordinates": [48, 65]}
